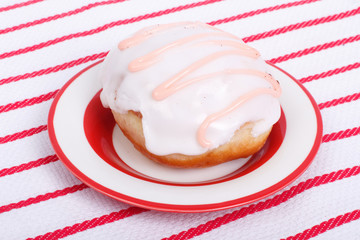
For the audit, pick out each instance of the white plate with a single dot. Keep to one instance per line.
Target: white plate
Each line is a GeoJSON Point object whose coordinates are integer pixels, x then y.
{"type": "Point", "coordinates": [85, 139]}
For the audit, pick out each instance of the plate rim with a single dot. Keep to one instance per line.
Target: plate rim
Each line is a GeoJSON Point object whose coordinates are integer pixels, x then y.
{"type": "Point", "coordinates": [186, 207]}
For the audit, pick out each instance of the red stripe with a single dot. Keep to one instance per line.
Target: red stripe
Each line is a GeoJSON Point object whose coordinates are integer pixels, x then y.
{"type": "Point", "coordinates": [18, 5]}
{"type": "Point", "coordinates": [50, 95]}
{"type": "Point", "coordinates": [28, 102]}
{"type": "Point", "coordinates": [22, 134]}
{"type": "Point", "coordinates": [304, 24]}
{"type": "Point", "coordinates": [95, 222]}
{"type": "Point", "coordinates": [260, 11]}
{"type": "Point", "coordinates": [326, 225]}
{"type": "Point", "coordinates": [58, 16]}
{"type": "Point", "coordinates": [330, 72]}
{"type": "Point", "coordinates": [104, 27]}
{"type": "Point", "coordinates": [26, 133]}
{"type": "Point", "coordinates": [338, 101]}
{"type": "Point", "coordinates": [314, 49]}
{"type": "Point", "coordinates": [29, 165]}
{"type": "Point", "coordinates": [341, 134]}
{"type": "Point", "coordinates": [42, 198]}
{"type": "Point", "coordinates": [263, 205]}
{"type": "Point", "coordinates": [54, 69]}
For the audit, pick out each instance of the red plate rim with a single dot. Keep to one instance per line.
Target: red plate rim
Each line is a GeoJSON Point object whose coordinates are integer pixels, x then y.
{"type": "Point", "coordinates": [184, 208]}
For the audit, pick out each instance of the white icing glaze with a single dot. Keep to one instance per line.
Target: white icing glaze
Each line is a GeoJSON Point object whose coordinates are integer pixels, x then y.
{"type": "Point", "coordinates": [171, 124]}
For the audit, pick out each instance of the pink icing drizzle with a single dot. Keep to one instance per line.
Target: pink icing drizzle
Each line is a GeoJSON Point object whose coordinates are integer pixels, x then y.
{"type": "Point", "coordinates": [276, 92]}
{"type": "Point", "coordinates": [175, 84]}
{"type": "Point", "coordinates": [152, 57]}
{"type": "Point", "coordinates": [172, 85]}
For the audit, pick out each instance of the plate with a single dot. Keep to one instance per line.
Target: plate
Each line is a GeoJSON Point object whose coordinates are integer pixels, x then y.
{"type": "Point", "coordinates": [89, 143]}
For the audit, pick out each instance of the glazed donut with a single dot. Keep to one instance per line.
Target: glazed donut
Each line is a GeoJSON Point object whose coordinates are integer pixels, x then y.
{"type": "Point", "coordinates": [190, 95]}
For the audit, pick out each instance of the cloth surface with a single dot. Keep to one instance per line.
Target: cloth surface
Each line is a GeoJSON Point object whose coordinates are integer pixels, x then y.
{"type": "Point", "coordinates": [44, 43]}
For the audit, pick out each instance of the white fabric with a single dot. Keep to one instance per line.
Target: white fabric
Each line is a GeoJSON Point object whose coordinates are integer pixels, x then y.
{"type": "Point", "coordinates": [296, 215]}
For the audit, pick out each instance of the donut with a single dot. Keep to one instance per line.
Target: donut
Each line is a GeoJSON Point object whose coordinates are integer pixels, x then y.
{"type": "Point", "coordinates": [190, 95]}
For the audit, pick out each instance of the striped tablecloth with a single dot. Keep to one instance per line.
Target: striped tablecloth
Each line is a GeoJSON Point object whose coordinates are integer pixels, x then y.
{"type": "Point", "coordinates": [44, 43]}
